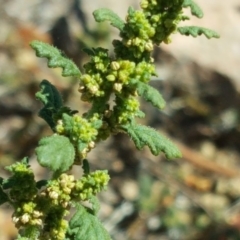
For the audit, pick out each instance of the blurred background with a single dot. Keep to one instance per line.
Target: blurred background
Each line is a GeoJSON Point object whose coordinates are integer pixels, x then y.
{"type": "Point", "coordinates": [149, 198]}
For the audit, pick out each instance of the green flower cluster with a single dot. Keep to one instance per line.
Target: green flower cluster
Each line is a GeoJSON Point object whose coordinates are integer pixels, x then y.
{"type": "Point", "coordinates": [95, 70]}
{"type": "Point", "coordinates": [126, 109]}
{"type": "Point", "coordinates": [164, 17]}
{"type": "Point", "coordinates": [47, 208]}
{"type": "Point", "coordinates": [91, 184]}
{"type": "Point", "coordinates": [27, 213]}
{"type": "Point", "coordinates": [55, 225]}
{"type": "Point", "coordinates": [22, 176]}
{"type": "Point", "coordinates": [114, 76]}
{"type": "Point", "coordinates": [82, 132]}
{"type": "Point", "coordinates": [59, 190]}
{"type": "Point", "coordinates": [65, 189]}
{"type": "Point", "coordinates": [103, 76]}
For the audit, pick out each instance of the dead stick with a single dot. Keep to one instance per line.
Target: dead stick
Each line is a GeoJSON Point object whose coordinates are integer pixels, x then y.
{"type": "Point", "coordinates": [200, 161]}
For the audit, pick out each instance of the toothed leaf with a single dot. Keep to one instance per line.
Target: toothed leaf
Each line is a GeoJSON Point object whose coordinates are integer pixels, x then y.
{"type": "Point", "coordinates": [146, 136]}
{"type": "Point", "coordinates": [195, 9]}
{"type": "Point", "coordinates": [55, 58]}
{"type": "Point", "coordinates": [86, 226]}
{"type": "Point", "coordinates": [197, 31]}
{"type": "Point", "coordinates": [150, 94]}
{"type": "Point", "coordinates": [56, 153]}
{"type": "Point", "coordinates": [104, 14]}
{"type": "Point", "coordinates": [52, 101]}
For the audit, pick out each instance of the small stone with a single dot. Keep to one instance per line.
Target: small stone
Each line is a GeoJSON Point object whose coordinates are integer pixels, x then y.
{"type": "Point", "coordinates": [130, 190]}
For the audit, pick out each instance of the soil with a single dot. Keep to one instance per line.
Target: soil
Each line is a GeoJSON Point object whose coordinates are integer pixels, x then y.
{"type": "Point", "coordinates": [149, 198]}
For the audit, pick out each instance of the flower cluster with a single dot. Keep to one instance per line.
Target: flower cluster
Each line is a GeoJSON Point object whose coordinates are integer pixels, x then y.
{"type": "Point", "coordinates": [51, 205]}
{"type": "Point", "coordinates": [164, 17]}
{"type": "Point", "coordinates": [125, 109]}
{"type": "Point", "coordinates": [105, 76]}
{"type": "Point", "coordinates": [91, 184]}
{"type": "Point", "coordinates": [81, 132]}
{"type": "Point", "coordinates": [59, 190]}
{"type": "Point", "coordinates": [27, 214]}
{"type": "Point", "coordinates": [55, 225]}
{"type": "Point", "coordinates": [22, 176]}
{"type": "Point", "coordinates": [92, 81]}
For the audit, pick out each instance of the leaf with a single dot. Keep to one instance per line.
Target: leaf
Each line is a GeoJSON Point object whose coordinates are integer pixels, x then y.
{"type": "Point", "coordinates": [86, 226]}
{"type": "Point", "coordinates": [41, 183]}
{"type": "Point", "coordinates": [55, 58]}
{"type": "Point", "coordinates": [3, 196]}
{"type": "Point", "coordinates": [143, 135]}
{"type": "Point", "coordinates": [89, 51]}
{"type": "Point", "coordinates": [56, 153]}
{"type": "Point", "coordinates": [195, 9]}
{"type": "Point", "coordinates": [104, 14]}
{"type": "Point", "coordinates": [196, 31]}
{"type": "Point", "coordinates": [9, 183]}
{"type": "Point", "coordinates": [150, 94]}
{"type": "Point", "coordinates": [95, 204]}
{"type": "Point", "coordinates": [85, 166]}
{"type": "Point", "coordinates": [52, 101]}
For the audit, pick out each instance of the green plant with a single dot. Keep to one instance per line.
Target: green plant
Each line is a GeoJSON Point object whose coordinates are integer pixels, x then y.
{"type": "Point", "coordinates": [40, 207]}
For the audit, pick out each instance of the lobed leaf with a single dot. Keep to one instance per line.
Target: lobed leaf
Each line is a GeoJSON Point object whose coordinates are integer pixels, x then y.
{"type": "Point", "coordinates": [104, 14]}
{"type": "Point", "coordinates": [197, 31]}
{"type": "Point", "coordinates": [86, 226]}
{"type": "Point", "coordinates": [49, 95]}
{"type": "Point", "coordinates": [55, 58]}
{"type": "Point", "coordinates": [146, 136]}
{"type": "Point", "coordinates": [56, 153]}
{"type": "Point", "coordinates": [195, 9]}
{"type": "Point", "coordinates": [3, 196]}
{"type": "Point", "coordinates": [150, 94]}
{"type": "Point", "coordinates": [52, 101]}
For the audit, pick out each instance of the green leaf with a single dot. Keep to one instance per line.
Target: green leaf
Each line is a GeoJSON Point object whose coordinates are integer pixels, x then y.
{"type": "Point", "coordinates": [41, 183]}
{"type": "Point", "coordinates": [49, 95]}
{"type": "Point", "coordinates": [86, 226]}
{"type": "Point", "coordinates": [52, 101]}
{"type": "Point", "coordinates": [195, 9]}
{"type": "Point", "coordinates": [9, 183]}
{"type": "Point", "coordinates": [95, 204]}
{"type": "Point", "coordinates": [197, 31]}
{"type": "Point", "coordinates": [55, 58]}
{"type": "Point", "coordinates": [89, 51]}
{"type": "Point", "coordinates": [85, 166]}
{"type": "Point", "coordinates": [143, 135]}
{"type": "Point", "coordinates": [3, 196]}
{"type": "Point", "coordinates": [56, 153]}
{"type": "Point", "coordinates": [104, 14]}
{"type": "Point", "coordinates": [150, 94]}
{"type": "Point", "coordinates": [140, 114]}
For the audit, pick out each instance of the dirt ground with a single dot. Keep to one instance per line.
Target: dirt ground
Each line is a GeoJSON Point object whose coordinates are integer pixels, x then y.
{"type": "Point", "coordinates": [149, 198]}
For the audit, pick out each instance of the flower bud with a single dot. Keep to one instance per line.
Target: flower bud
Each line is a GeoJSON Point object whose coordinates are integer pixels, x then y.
{"type": "Point", "coordinates": [15, 219]}
{"type": "Point", "coordinates": [144, 4]}
{"type": "Point", "coordinates": [53, 195]}
{"type": "Point", "coordinates": [117, 87]}
{"type": "Point", "coordinates": [25, 218]}
{"type": "Point", "coordinates": [36, 214]}
{"type": "Point", "coordinates": [38, 222]}
{"type": "Point", "coordinates": [94, 89]}
{"type": "Point", "coordinates": [115, 65]}
{"type": "Point", "coordinates": [91, 144]}
{"type": "Point", "coordinates": [111, 77]}
{"type": "Point", "coordinates": [149, 46]}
